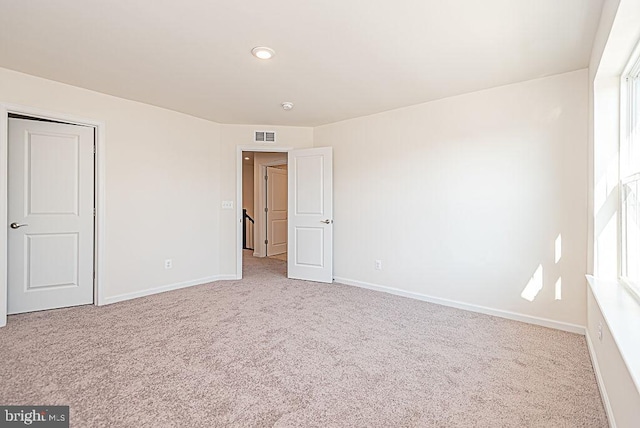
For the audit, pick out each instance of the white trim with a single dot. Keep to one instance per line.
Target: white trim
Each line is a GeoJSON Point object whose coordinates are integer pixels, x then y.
{"type": "Point", "coordinates": [633, 63]}
{"type": "Point", "coordinates": [621, 313]}
{"type": "Point", "coordinates": [164, 288]}
{"type": "Point", "coordinates": [558, 325]}
{"type": "Point", "coordinates": [101, 213]}
{"type": "Point", "coordinates": [4, 163]}
{"type": "Point", "coordinates": [100, 186]}
{"type": "Point", "coordinates": [603, 390]}
{"type": "Point", "coordinates": [626, 173]}
{"type": "Point", "coordinates": [239, 150]}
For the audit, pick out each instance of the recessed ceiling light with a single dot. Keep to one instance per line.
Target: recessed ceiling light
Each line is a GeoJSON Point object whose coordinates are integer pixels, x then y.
{"type": "Point", "coordinates": [287, 105]}
{"type": "Point", "coordinates": [263, 52]}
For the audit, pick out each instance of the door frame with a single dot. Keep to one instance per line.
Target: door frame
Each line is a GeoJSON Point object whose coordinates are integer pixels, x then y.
{"type": "Point", "coordinates": [99, 195]}
{"type": "Point", "coordinates": [239, 150]}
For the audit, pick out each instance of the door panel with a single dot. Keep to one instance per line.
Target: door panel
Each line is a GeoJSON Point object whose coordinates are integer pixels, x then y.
{"type": "Point", "coordinates": [279, 235]}
{"type": "Point", "coordinates": [310, 251]}
{"type": "Point", "coordinates": [51, 190]}
{"type": "Point", "coordinates": [277, 214]}
{"type": "Point", "coordinates": [309, 255]}
{"type": "Point", "coordinates": [310, 182]}
{"type": "Point", "coordinates": [52, 174]}
{"type": "Point", "coordinates": [52, 260]}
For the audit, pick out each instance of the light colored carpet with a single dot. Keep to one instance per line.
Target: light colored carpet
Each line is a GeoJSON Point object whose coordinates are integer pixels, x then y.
{"type": "Point", "coordinates": [268, 351]}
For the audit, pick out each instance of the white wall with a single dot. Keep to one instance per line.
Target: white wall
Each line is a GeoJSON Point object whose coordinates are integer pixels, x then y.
{"type": "Point", "coordinates": [166, 175]}
{"type": "Point", "coordinates": [232, 137]}
{"type": "Point", "coordinates": [162, 186]}
{"type": "Point", "coordinates": [247, 187]}
{"type": "Point", "coordinates": [463, 198]}
{"type": "Point", "coordinates": [615, 39]}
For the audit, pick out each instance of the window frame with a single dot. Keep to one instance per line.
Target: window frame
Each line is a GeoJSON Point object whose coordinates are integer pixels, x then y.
{"type": "Point", "coordinates": [629, 107]}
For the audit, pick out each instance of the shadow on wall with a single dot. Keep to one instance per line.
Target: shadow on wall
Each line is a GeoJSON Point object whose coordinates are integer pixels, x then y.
{"type": "Point", "coordinates": [606, 221]}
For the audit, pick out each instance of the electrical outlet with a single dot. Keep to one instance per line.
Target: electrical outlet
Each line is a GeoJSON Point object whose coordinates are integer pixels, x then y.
{"type": "Point", "coordinates": [168, 264]}
{"type": "Point", "coordinates": [227, 205]}
{"type": "Point", "coordinates": [378, 264]}
{"type": "Point", "coordinates": [600, 331]}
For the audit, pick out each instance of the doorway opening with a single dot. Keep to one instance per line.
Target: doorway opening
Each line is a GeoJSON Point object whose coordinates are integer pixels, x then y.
{"type": "Point", "coordinates": [309, 238]}
{"type": "Point", "coordinates": [264, 205]}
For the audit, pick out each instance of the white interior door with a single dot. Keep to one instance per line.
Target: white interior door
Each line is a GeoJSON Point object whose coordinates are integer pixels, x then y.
{"type": "Point", "coordinates": [277, 211]}
{"type": "Point", "coordinates": [310, 249]}
{"type": "Point", "coordinates": [50, 214]}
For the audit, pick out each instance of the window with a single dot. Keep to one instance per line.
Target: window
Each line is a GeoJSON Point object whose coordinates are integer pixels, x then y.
{"type": "Point", "coordinates": [630, 176]}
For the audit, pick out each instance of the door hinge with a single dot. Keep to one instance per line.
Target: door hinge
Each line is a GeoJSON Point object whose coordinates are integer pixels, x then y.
{"type": "Point", "coordinates": [94, 149]}
{"type": "Point", "coordinates": [266, 177]}
{"type": "Point", "coordinates": [266, 210]}
{"type": "Point", "coordinates": [94, 212]}
{"type": "Point", "coordinates": [266, 241]}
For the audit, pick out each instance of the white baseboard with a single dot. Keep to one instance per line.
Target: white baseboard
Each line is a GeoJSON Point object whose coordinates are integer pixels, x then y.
{"type": "Point", "coordinates": [162, 289]}
{"type": "Point", "coordinates": [558, 325]}
{"type": "Point", "coordinates": [603, 390]}
{"type": "Point", "coordinates": [226, 277]}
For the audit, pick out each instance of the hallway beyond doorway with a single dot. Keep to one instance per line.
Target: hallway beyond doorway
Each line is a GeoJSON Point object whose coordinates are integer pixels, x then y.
{"type": "Point", "coordinates": [282, 257]}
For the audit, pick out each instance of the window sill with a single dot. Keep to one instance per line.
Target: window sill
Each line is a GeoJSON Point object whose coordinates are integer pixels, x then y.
{"type": "Point", "coordinates": [621, 312]}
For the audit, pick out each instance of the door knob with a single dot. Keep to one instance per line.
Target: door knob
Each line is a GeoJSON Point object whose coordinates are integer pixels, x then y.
{"type": "Point", "coordinates": [327, 221]}
{"type": "Point", "coordinates": [17, 225]}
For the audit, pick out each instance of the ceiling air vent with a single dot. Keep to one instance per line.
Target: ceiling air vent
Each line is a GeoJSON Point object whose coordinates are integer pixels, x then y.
{"type": "Point", "coordinates": [264, 136]}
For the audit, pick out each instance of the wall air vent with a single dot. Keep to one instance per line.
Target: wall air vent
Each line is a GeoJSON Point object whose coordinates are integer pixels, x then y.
{"type": "Point", "coordinates": [264, 136]}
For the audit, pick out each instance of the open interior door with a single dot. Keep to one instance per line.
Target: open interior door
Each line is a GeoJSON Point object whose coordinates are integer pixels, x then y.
{"type": "Point", "coordinates": [277, 211]}
{"type": "Point", "coordinates": [310, 243]}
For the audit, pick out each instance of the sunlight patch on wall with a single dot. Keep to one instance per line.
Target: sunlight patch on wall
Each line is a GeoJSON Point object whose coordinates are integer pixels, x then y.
{"type": "Point", "coordinates": [533, 286]}
{"type": "Point", "coordinates": [558, 248]}
{"type": "Point", "coordinates": [607, 183]}
{"type": "Point", "coordinates": [559, 289]}
{"type": "Point", "coordinates": [606, 250]}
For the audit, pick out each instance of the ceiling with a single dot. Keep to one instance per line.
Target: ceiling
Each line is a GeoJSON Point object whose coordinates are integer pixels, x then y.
{"type": "Point", "coordinates": [335, 59]}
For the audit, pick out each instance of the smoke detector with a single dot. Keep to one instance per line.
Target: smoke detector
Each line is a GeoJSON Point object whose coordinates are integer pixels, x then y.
{"type": "Point", "coordinates": [287, 105]}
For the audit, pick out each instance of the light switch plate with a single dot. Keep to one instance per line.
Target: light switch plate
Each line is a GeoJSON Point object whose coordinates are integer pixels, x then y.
{"type": "Point", "coordinates": [227, 205]}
